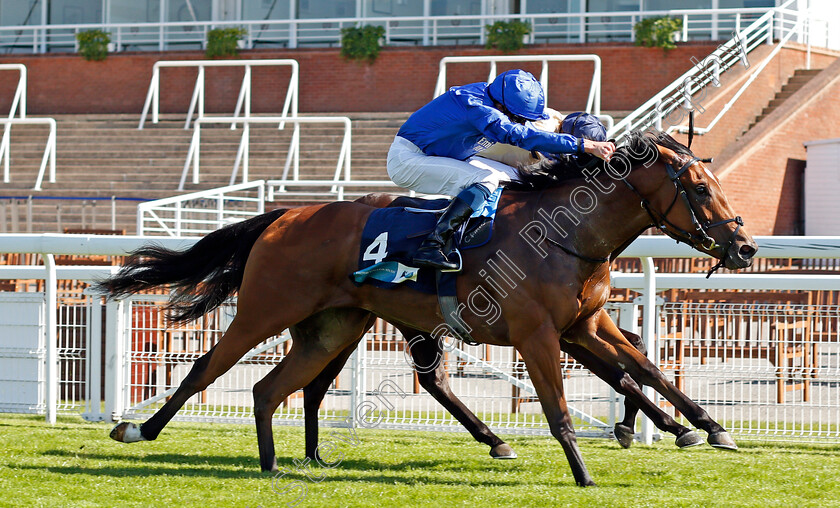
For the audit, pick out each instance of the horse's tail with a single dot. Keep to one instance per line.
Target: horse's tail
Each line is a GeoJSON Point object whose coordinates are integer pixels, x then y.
{"type": "Point", "coordinates": [201, 277]}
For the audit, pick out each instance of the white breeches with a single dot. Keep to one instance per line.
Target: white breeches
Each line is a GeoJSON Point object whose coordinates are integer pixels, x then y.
{"type": "Point", "coordinates": [410, 168]}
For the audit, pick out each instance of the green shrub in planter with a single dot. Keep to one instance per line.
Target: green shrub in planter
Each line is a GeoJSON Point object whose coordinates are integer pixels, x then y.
{"type": "Point", "coordinates": [224, 42]}
{"type": "Point", "coordinates": [361, 43]}
{"type": "Point", "coordinates": [507, 36]}
{"type": "Point", "coordinates": [93, 44]}
{"type": "Point", "coordinates": [657, 32]}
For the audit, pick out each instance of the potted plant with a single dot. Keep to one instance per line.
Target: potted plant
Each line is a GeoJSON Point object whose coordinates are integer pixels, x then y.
{"type": "Point", "coordinates": [222, 42]}
{"type": "Point", "coordinates": [658, 32]}
{"type": "Point", "coordinates": [94, 44]}
{"type": "Point", "coordinates": [362, 43]}
{"type": "Point", "coordinates": [507, 36]}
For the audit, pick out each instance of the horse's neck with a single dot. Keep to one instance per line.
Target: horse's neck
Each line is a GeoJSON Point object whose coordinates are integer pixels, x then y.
{"type": "Point", "coordinates": [613, 222]}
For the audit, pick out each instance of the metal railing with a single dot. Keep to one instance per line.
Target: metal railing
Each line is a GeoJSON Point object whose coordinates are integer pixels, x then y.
{"type": "Point", "coordinates": [678, 97]}
{"type": "Point", "coordinates": [292, 156]}
{"type": "Point", "coordinates": [49, 150]}
{"type": "Point", "coordinates": [791, 31]}
{"type": "Point", "coordinates": [18, 104]}
{"type": "Point", "coordinates": [290, 105]}
{"type": "Point", "coordinates": [698, 24]}
{"type": "Point", "coordinates": [593, 101]}
{"type": "Point", "coordinates": [199, 213]}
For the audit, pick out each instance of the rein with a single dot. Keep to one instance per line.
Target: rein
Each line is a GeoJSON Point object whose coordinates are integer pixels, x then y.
{"type": "Point", "coordinates": [699, 238]}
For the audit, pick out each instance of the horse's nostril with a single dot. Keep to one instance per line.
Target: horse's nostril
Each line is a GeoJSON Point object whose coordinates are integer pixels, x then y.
{"type": "Point", "coordinates": [747, 251]}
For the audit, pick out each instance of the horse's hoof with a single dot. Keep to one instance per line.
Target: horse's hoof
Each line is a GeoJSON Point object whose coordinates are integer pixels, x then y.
{"type": "Point", "coordinates": [624, 435]}
{"type": "Point", "coordinates": [689, 439]}
{"type": "Point", "coordinates": [126, 432]}
{"type": "Point", "coordinates": [502, 451]}
{"type": "Point", "coordinates": [722, 440]}
{"type": "Point", "coordinates": [587, 483]}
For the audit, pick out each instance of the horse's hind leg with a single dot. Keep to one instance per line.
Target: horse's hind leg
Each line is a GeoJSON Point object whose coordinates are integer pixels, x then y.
{"type": "Point", "coordinates": [314, 393]}
{"type": "Point", "coordinates": [426, 353]}
{"type": "Point", "coordinates": [238, 340]}
{"type": "Point", "coordinates": [312, 352]}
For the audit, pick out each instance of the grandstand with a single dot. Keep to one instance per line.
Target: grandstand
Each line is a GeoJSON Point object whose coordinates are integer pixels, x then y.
{"type": "Point", "coordinates": [105, 166]}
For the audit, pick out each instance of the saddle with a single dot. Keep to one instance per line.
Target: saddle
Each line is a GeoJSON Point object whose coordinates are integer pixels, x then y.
{"type": "Point", "coordinates": [392, 235]}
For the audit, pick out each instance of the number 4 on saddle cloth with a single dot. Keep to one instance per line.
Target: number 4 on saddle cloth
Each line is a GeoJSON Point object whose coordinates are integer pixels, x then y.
{"type": "Point", "coordinates": [392, 235]}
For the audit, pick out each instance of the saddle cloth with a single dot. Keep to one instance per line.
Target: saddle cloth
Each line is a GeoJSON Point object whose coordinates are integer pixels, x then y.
{"type": "Point", "coordinates": [392, 235]}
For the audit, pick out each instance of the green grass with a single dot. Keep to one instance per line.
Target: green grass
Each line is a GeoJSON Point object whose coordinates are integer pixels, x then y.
{"type": "Point", "coordinates": [74, 463]}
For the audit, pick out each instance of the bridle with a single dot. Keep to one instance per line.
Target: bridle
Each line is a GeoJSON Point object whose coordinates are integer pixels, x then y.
{"type": "Point", "coordinates": [699, 238]}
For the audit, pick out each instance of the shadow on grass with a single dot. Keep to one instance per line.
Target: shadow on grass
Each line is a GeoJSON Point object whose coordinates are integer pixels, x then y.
{"type": "Point", "coordinates": [230, 467]}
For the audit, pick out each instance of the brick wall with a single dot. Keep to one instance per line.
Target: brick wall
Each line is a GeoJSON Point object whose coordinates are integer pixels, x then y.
{"type": "Point", "coordinates": [401, 79]}
{"type": "Point", "coordinates": [762, 174]}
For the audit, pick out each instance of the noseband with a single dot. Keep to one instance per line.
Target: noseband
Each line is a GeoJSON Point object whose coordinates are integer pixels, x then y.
{"type": "Point", "coordinates": [699, 239]}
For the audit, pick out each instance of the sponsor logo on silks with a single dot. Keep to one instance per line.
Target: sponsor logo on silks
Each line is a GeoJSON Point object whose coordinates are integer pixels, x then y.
{"type": "Point", "coordinates": [387, 271]}
{"type": "Point", "coordinates": [483, 144]}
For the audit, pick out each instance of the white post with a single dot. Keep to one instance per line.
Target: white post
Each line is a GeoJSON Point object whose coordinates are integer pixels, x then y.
{"type": "Point", "coordinates": [649, 337]}
{"type": "Point", "coordinates": [93, 369]}
{"type": "Point", "coordinates": [51, 319]}
{"type": "Point", "coordinates": [114, 358]}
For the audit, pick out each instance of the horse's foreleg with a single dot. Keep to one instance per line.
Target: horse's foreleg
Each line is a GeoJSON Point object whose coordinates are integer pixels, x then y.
{"type": "Point", "coordinates": [626, 429]}
{"type": "Point", "coordinates": [625, 385]}
{"type": "Point", "coordinates": [541, 353]}
{"type": "Point", "coordinates": [603, 338]}
{"type": "Point", "coordinates": [427, 355]}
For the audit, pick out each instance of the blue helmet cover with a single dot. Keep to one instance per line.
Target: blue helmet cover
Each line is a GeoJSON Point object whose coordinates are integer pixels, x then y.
{"type": "Point", "coordinates": [519, 92]}
{"type": "Point", "coordinates": [584, 125]}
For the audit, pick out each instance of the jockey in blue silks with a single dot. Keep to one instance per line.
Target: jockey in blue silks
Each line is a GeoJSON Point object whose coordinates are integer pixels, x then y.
{"type": "Point", "coordinates": [434, 152]}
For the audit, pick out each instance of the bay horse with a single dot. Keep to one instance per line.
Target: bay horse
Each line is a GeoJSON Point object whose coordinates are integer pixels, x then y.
{"type": "Point", "coordinates": [297, 271]}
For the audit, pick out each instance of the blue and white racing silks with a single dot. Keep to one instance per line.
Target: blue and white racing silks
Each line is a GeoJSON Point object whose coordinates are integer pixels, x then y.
{"type": "Point", "coordinates": [463, 121]}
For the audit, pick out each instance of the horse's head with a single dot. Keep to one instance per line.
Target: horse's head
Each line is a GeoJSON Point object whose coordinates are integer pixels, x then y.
{"type": "Point", "coordinates": [689, 205]}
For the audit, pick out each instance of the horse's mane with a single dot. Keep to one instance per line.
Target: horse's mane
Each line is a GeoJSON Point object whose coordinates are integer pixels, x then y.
{"type": "Point", "coordinates": [638, 148]}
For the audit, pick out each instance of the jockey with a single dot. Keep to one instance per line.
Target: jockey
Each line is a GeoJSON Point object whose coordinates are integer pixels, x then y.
{"type": "Point", "coordinates": [434, 152]}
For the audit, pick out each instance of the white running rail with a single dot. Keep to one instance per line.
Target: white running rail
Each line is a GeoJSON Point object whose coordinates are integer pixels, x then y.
{"type": "Point", "coordinates": [593, 101]}
{"type": "Point", "coordinates": [199, 213]}
{"type": "Point", "coordinates": [679, 94]}
{"type": "Point", "coordinates": [49, 151]}
{"type": "Point", "coordinates": [645, 247]}
{"type": "Point", "coordinates": [292, 158]}
{"type": "Point", "coordinates": [290, 106]}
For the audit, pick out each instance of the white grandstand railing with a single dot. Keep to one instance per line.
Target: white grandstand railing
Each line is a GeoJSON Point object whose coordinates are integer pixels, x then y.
{"type": "Point", "coordinates": [698, 24]}
{"type": "Point", "coordinates": [49, 150]}
{"type": "Point", "coordinates": [19, 100]}
{"type": "Point", "coordinates": [593, 101]}
{"type": "Point", "coordinates": [292, 157]}
{"type": "Point", "coordinates": [199, 213]}
{"type": "Point", "coordinates": [679, 94]}
{"type": "Point", "coordinates": [277, 188]}
{"type": "Point", "coordinates": [290, 106]}
{"type": "Point", "coordinates": [791, 31]}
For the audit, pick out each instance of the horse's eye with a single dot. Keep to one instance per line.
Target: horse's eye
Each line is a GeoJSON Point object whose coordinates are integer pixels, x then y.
{"type": "Point", "coordinates": [701, 190]}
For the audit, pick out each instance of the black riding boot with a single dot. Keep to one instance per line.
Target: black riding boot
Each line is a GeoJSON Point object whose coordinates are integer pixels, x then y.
{"type": "Point", "coordinates": [430, 253]}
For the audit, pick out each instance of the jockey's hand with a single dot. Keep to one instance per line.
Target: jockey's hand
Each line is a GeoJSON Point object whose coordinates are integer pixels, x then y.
{"type": "Point", "coordinates": [600, 149]}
